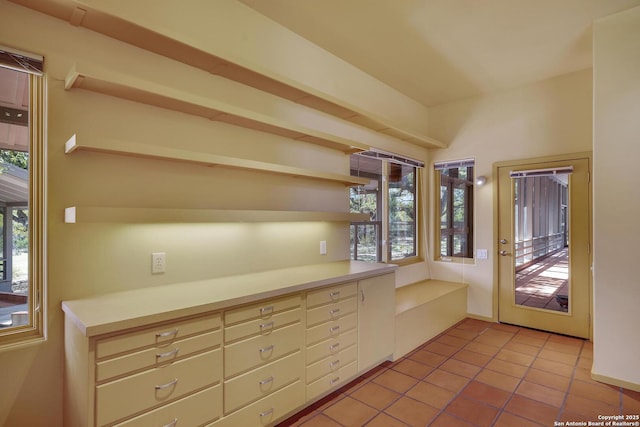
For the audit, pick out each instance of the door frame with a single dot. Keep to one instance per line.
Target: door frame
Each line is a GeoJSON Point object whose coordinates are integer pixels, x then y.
{"type": "Point", "coordinates": [496, 226]}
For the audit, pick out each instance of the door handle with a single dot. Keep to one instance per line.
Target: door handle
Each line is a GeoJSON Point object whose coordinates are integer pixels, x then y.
{"type": "Point", "coordinates": [503, 253]}
{"type": "Point", "coordinates": [503, 241]}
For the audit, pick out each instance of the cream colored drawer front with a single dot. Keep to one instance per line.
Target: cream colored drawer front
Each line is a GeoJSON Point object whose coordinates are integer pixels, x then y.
{"type": "Point", "coordinates": [331, 381]}
{"type": "Point", "coordinates": [159, 335]}
{"type": "Point", "coordinates": [331, 346]}
{"type": "Point", "coordinates": [262, 310]}
{"type": "Point", "coordinates": [332, 363]}
{"type": "Point", "coordinates": [254, 352]}
{"type": "Point", "coordinates": [331, 329]}
{"type": "Point", "coordinates": [139, 392]}
{"type": "Point", "coordinates": [262, 326]}
{"type": "Point", "coordinates": [263, 381]}
{"type": "Point", "coordinates": [331, 311]}
{"type": "Point", "coordinates": [331, 294]}
{"type": "Point", "coordinates": [195, 410]}
{"type": "Point", "coordinates": [157, 356]}
{"type": "Point", "coordinates": [265, 411]}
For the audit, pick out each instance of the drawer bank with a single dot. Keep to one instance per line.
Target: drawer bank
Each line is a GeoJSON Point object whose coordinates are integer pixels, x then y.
{"type": "Point", "coordinates": [247, 350]}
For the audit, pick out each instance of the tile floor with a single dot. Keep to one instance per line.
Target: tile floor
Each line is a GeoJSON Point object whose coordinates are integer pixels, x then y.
{"type": "Point", "coordinates": [477, 374]}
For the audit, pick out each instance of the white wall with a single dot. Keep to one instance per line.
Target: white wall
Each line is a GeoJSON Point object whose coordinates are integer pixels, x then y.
{"type": "Point", "coordinates": [543, 119]}
{"type": "Point", "coordinates": [616, 150]}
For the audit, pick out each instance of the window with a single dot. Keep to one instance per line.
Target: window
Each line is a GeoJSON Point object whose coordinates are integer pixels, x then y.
{"type": "Point", "coordinates": [455, 207]}
{"type": "Point", "coordinates": [390, 199]}
{"type": "Point", "coordinates": [22, 192]}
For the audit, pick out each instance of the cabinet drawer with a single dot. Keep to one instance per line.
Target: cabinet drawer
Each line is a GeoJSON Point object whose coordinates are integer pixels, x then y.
{"type": "Point", "coordinates": [157, 356]}
{"type": "Point", "coordinates": [331, 311]}
{"type": "Point", "coordinates": [331, 346]}
{"type": "Point", "coordinates": [262, 326]}
{"type": "Point", "coordinates": [331, 294]}
{"type": "Point", "coordinates": [195, 410]}
{"type": "Point", "coordinates": [265, 411]}
{"type": "Point", "coordinates": [157, 335]}
{"type": "Point", "coordinates": [331, 329]}
{"type": "Point", "coordinates": [262, 310]}
{"type": "Point", "coordinates": [332, 363]}
{"type": "Point", "coordinates": [331, 381]}
{"type": "Point", "coordinates": [263, 381]}
{"type": "Point", "coordinates": [130, 395]}
{"type": "Point", "coordinates": [257, 351]}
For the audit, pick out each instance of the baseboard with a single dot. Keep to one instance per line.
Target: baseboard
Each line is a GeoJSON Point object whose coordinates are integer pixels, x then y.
{"type": "Point", "coordinates": [615, 381]}
{"type": "Point", "coordinates": [483, 318]}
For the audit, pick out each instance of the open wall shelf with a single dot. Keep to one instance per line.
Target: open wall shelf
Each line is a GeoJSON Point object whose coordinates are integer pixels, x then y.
{"type": "Point", "coordinates": [81, 214]}
{"type": "Point", "coordinates": [134, 149]}
{"type": "Point", "coordinates": [110, 82]}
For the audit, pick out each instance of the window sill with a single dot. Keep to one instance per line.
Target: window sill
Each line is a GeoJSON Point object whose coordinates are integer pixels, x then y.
{"type": "Point", "coordinates": [406, 261]}
{"type": "Point", "coordinates": [456, 260]}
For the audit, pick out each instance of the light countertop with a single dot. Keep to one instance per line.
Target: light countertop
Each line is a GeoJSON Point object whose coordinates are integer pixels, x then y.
{"type": "Point", "coordinates": [108, 313]}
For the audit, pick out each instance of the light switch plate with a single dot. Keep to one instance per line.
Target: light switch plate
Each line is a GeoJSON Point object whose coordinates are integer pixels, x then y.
{"type": "Point", "coordinates": [482, 254]}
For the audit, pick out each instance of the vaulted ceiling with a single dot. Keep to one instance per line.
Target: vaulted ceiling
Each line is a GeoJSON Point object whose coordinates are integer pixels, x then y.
{"type": "Point", "coordinates": [438, 51]}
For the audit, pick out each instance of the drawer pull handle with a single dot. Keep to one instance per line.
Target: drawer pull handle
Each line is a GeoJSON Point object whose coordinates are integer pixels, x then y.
{"type": "Point", "coordinates": [266, 325]}
{"type": "Point", "coordinates": [168, 353]}
{"type": "Point", "coordinates": [334, 295]}
{"type": "Point", "coordinates": [335, 311]}
{"type": "Point", "coordinates": [167, 385]}
{"type": "Point", "coordinates": [172, 423]}
{"type": "Point", "coordinates": [265, 349]}
{"type": "Point", "coordinates": [334, 363]}
{"type": "Point", "coordinates": [266, 310]}
{"type": "Point", "coordinates": [335, 380]}
{"type": "Point", "coordinates": [265, 413]}
{"type": "Point", "coordinates": [172, 333]}
{"type": "Point", "coordinates": [267, 380]}
{"type": "Point", "coordinates": [334, 329]}
{"type": "Point", "coordinates": [332, 347]}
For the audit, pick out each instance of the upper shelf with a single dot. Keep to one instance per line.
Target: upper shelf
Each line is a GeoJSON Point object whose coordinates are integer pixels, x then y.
{"type": "Point", "coordinates": [134, 149]}
{"type": "Point", "coordinates": [82, 214]}
{"type": "Point", "coordinates": [110, 82]}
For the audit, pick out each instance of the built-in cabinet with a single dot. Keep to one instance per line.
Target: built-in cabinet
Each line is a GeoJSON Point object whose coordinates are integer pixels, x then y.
{"type": "Point", "coordinates": [250, 363]}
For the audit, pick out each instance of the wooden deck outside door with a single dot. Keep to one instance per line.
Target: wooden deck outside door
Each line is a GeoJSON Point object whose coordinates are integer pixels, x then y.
{"type": "Point", "coordinates": [576, 320]}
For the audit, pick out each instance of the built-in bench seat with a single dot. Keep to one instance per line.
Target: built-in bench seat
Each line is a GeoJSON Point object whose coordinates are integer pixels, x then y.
{"type": "Point", "coordinates": [426, 308]}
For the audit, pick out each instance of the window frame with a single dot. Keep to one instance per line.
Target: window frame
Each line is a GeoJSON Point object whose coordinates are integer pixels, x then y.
{"type": "Point", "coordinates": [451, 182]}
{"type": "Point", "coordinates": [35, 330]}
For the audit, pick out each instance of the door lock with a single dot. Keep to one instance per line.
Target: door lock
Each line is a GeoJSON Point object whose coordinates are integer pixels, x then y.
{"type": "Point", "coordinates": [503, 253]}
{"type": "Point", "coordinates": [503, 241]}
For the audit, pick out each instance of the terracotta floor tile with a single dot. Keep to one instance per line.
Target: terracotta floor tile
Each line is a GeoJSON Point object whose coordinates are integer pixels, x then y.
{"type": "Point", "coordinates": [453, 341]}
{"type": "Point", "coordinates": [587, 351]}
{"type": "Point", "coordinates": [447, 380]}
{"type": "Point", "coordinates": [507, 368]}
{"type": "Point", "coordinates": [472, 411]}
{"type": "Point", "coordinates": [492, 337]}
{"type": "Point", "coordinates": [441, 349]}
{"type": "Point", "coordinates": [384, 420]}
{"type": "Point", "coordinates": [532, 410]}
{"type": "Point", "coordinates": [446, 420]}
{"type": "Point", "coordinates": [554, 381]}
{"type": "Point", "coordinates": [412, 412]}
{"type": "Point", "coordinates": [413, 368]}
{"type": "Point", "coordinates": [553, 367]}
{"type": "Point", "coordinates": [472, 357]}
{"type": "Point", "coordinates": [577, 342]}
{"type": "Point", "coordinates": [486, 349]}
{"type": "Point", "coordinates": [395, 381]}
{"type": "Point", "coordinates": [528, 340]}
{"type": "Point", "coordinates": [585, 363]}
{"type": "Point", "coordinates": [298, 419]}
{"type": "Point", "coordinates": [499, 380]}
{"type": "Point", "coordinates": [431, 394]}
{"type": "Point", "coordinates": [506, 328]}
{"type": "Point", "coordinates": [541, 393]}
{"type": "Point", "coordinates": [320, 420]}
{"type": "Point", "coordinates": [606, 394]}
{"type": "Point", "coordinates": [486, 393]}
{"type": "Point", "coordinates": [573, 350]}
{"type": "Point", "coordinates": [534, 333]}
{"type": "Point", "coordinates": [583, 374]}
{"type": "Point", "coordinates": [462, 333]}
{"type": "Point", "coordinates": [427, 358]}
{"type": "Point", "coordinates": [556, 356]}
{"type": "Point", "coordinates": [375, 395]}
{"type": "Point", "coordinates": [588, 409]}
{"type": "Point", "coordinates": [350, 412]}
{"type": "Point", "coordinates": [631, 402]}
{"type": "Point", "coordinates": [515, 357]}
{"type": "Point", "coordinates": [460, 368]}
{"type": "Point", "coordinates": [529, 350]}
{"type": "Point", "coordinates": [509, 420]}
